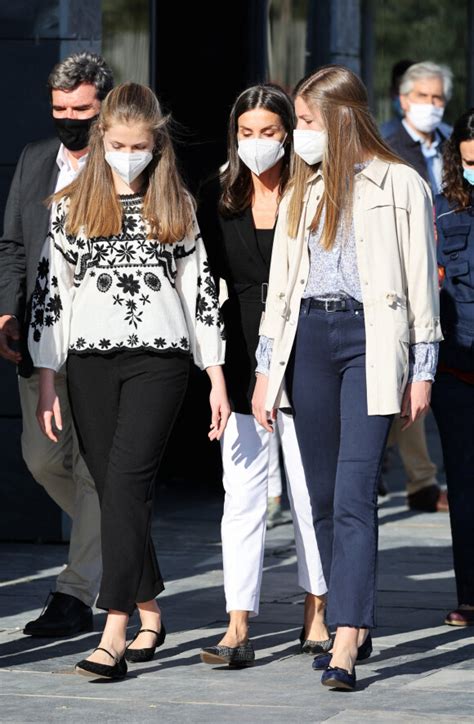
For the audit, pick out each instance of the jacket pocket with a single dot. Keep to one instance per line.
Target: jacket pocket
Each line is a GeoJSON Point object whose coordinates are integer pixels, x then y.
{"type": "Point", "coordinates": [460, 275]}
{"type": "Point", "coordinates": [455, 238]}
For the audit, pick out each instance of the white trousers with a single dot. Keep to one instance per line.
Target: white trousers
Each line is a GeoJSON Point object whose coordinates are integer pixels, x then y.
{"type": "Point", "coordinates": [245, 456]}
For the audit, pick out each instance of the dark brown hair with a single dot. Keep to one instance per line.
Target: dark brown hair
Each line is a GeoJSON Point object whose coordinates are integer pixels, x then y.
{"type": "Point", "coordinates": [236, 179]}
{"type": "Point", "coordinates": [455, 187]}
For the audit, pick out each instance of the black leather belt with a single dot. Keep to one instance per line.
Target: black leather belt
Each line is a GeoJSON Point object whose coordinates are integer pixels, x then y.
{"type": "Point", "coordinates": [331, 305]}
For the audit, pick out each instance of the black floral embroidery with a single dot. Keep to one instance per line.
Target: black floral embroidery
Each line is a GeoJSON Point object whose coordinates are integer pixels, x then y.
{"type": "Point", "coordinates": [104, 282]}
{"type": "Point", "coordinates": [152, 281]}
{"type": "Point", "coordinates": [43, 268]}
{"type": "Point", "coordinates": [129, 284]}
{"type": "Point", "coordinates": [125, 252]}
{"type": "Point", "coordinates": [130, 270]}
{"type": "Point", "coordinates": [133, 316]}
{"type": "Point", "coordinates": [55, 306]}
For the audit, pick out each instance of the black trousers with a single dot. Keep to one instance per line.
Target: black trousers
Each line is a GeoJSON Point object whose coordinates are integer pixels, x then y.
{"type": "Point", "coordinates": [124, 405]}
{"type": "Point", "coordinates": [453, 407]}
{"type": "Point", "coordinates": [341, 448]}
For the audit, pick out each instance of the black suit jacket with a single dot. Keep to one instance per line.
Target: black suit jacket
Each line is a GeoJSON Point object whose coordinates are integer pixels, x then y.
{"type": "Point", "coordinates": [234, 256]}
{"type": "Point", "coordinates": [410, 151]}
{"type": "Point", "coordinates": [26, 225]}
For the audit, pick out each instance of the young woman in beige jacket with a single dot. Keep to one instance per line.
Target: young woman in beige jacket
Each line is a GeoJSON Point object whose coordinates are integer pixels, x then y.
{"type": "Point", "coordinates": [351, 329]}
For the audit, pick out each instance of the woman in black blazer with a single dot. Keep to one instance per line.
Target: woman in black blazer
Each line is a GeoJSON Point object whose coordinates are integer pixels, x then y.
{"type": "Point", "coordinates": [237, 214]}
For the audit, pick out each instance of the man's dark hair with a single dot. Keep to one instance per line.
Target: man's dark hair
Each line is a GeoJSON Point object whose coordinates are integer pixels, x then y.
{"type": "Point", "coordinates": [84, 67]}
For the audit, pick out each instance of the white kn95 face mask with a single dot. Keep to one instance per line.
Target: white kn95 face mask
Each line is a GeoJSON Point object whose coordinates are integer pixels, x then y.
{"type": "Point", "coordinates": [260, 154]}
{"type": "Point", "coordinates": [128, 165]}
{"type": "Point", "coordinates": [310, 145]}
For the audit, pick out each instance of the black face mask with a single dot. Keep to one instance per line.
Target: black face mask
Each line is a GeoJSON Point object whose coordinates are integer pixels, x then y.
{"type": "Point", "coordinates": [74, 132]}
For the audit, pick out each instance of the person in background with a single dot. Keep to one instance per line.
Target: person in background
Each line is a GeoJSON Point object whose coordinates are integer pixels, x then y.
{"type": "Point", "coordinates": [351, 328]}
{"type": "Point", "coordinates": [393, 124]}
{"type": "Point", "coordinates": [424, 90]}
{"type": "Point", "coordinates": [77, 86]}
{"type": "Point", "coordinates": [453, 391]}
{"type": "Point", "coordinates": [237, 216]}
{"type": "Point", "coordinates": [124, 296]}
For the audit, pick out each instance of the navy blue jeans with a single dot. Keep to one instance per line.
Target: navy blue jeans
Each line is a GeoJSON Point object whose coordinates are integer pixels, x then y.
{"type": "Point", "coordinates": [453, 407]}
{"type": "Point", "coordinates": [342, 449]}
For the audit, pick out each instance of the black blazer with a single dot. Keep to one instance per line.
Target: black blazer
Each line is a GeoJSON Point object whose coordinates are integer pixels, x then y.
{"type": "Point", "coordinates": [410, 150]}
{"type": "Point", "coordinates": [26, 225]}
{"type": "Point", "coordinates": [235, 256]}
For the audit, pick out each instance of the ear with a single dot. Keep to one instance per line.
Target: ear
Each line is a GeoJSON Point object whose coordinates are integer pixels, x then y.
{"type": "Point", "coordinates": [405, 103]}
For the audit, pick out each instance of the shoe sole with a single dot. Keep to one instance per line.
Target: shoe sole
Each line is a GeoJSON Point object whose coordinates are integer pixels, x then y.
{"type": "Point", "coordinates": [336, 684]}
{"type": "Point", "coordinates": [90, 675]}
{"type": "Point", "coordinates": [457, 623]}
{"type": "Point", "coordinates": [214, 659]}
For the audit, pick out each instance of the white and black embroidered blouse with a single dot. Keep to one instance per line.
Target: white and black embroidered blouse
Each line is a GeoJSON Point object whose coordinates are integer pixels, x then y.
{"type": "Point", "coordinates": [123, 292]}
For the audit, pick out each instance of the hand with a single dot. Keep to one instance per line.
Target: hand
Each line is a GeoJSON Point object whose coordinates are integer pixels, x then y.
{"type": "Point", "coordinates": [416, 402]}
{"type": "Point", "coordinates": [265, 418]}
{"type": "Point", "coordinates": [48, 405]}
{"type": "Point", "coordinates": [9, 330]}
{"type": "Point", "coordinates": [220, 408]}
{"type": "Point", "coordinates": [220, 411]}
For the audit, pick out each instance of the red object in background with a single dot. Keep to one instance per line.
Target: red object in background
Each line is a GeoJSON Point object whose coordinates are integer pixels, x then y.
{"type": "Point", "coordinates": [441, 275]}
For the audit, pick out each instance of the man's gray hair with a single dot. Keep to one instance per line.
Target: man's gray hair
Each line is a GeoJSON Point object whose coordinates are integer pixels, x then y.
{"type": "Point", "coordinates": [422, 71]}
{"type": "Point", "coordinates": [84, 67]}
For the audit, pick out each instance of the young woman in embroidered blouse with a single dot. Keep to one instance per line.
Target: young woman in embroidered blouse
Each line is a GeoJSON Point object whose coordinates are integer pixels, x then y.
{"type": "Point", "coordinates": [124, 295]}
{"type": "Point", "coordinates": [352, 317]}
{"type": "Point", "coordinates": [237, 214]}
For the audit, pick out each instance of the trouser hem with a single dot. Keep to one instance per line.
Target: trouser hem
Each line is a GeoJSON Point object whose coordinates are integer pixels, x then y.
{"type": "Point", "coordinates": [106, 603]}
{"type": "Point", "coordinates": [71, 591]}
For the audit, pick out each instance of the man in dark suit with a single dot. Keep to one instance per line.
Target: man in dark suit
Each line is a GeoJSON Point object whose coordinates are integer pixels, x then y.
{"type": "Point", "coordinates": [77, 85]}
{"type": "Point", "coordinates": [425, 88]}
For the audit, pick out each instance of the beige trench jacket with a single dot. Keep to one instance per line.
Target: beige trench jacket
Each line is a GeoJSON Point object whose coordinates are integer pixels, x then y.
{"type": "Point", "coordinates": [396, 258]}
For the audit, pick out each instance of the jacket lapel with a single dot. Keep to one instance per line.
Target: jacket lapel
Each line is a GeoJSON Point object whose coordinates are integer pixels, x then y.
{"type": "Point", "coordinates": [246, 231]}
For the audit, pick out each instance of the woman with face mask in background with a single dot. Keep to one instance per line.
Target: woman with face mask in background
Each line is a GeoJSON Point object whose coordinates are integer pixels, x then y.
{"type": "Point", "coordinates": [120, 293]}
{"type": "Point", "coordinates": [453, 391]}
{"type": "Point", "coordinates": [237, 216]}
{"type": "Point", "coordinates": [352, 323]}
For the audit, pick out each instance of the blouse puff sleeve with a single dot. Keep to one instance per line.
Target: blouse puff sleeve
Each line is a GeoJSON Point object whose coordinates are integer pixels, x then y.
{"type": "Point", "coordinates": [197, 291]}
{"type": "Point", "coordinates": [48, 338]}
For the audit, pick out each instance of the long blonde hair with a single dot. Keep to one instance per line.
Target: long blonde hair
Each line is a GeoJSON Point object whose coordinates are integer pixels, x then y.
{"type": "Point", "coordinates": [94, 205]}
{"type": "Point", "coordinates": [341, 98]}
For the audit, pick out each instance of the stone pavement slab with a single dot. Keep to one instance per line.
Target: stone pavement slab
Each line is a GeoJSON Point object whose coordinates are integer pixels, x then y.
{"type": "Point", "coordinates": [421, 670]}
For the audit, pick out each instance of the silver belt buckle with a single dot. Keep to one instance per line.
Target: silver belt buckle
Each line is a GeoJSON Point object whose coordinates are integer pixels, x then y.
{"type": "Point", "coordinates": [327, 302]}
{"type": "Point", "coordinates": [263, 292]}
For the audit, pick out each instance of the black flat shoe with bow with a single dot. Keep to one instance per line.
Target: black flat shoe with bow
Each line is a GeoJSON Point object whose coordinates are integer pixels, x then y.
{"type": "Point", "coordinates": [322, 661]}
{"type": "Point", "coordinates": [138, 655]}
{"type": "Point", "coordinates": [337, 678]}
{"type": "Point", "coordinates": [102, 671]}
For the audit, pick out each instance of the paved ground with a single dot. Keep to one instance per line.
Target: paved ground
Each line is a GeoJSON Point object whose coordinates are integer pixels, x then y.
{"type": "Point", "coordinates": [421, 670]}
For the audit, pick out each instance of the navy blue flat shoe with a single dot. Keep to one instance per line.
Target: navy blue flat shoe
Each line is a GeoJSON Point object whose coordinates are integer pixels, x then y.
{"type": "Point", "coordinates": [337, 678]}
{"type": "Point", "coordinates": [322, 661]}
